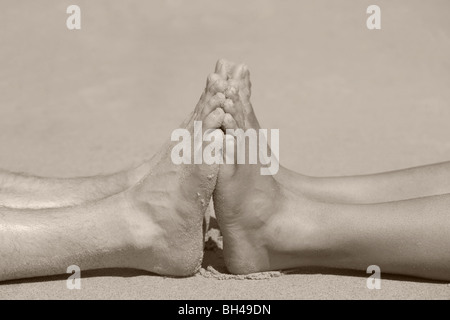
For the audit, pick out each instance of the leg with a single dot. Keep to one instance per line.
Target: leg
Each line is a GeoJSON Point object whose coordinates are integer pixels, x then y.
{"type": "Point", "coordinates": [279, 223]}
{"type": "Point", "coordinates": [272, 227]}
{"type": "Point", "coordinates": [155, 225]}
{"type": "Point", "coordinates": [407, 237]}
{"type": "Point", "coordinates": [404, 184]}
{"type": "Point", "coordinates": [22, 191]}
{"type": "Point", "coordinates": [92, 236]}
{"type": "Point", "coordinates": [382, 187]}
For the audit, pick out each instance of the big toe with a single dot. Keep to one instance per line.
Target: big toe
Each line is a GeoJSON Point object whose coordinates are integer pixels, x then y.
{"type": "Point", "coordinates": [225, 68]}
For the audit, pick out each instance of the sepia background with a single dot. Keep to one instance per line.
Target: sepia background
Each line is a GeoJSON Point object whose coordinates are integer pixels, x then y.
{"type": "Point", "coordinates": [347, 100]}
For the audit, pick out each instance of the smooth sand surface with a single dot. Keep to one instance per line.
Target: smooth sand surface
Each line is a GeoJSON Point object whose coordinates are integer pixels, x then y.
{"type": "Point", "coordinates": [346, 100]}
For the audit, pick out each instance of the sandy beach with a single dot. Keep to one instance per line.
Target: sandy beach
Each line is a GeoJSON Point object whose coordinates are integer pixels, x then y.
{"type": "Point", "coordinates": [347, 100]}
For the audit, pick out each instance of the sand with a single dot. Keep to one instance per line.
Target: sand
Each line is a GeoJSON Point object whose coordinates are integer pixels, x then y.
{"type": "Point", "coordinates": [346, 100]}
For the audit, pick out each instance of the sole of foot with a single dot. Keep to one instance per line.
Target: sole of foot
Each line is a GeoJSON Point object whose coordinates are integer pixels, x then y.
{"type": "Point", "coordinates": [266, 221]}
{"type": "Point", "coordinates": [167, 207]}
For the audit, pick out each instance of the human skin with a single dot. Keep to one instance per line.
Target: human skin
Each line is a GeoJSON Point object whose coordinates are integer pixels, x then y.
{"type": "Point", "coordinates": [155, 225]}
{"type": "Point", "coordinates": [286, 221]}
{"type": "Point", "coordinates": [23, 191]}
{"type": "Point", "coordinates": [274, 199]}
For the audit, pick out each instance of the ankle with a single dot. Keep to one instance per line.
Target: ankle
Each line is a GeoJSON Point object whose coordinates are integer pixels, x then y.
{"type": "Point", "coordinates": [302, 235]}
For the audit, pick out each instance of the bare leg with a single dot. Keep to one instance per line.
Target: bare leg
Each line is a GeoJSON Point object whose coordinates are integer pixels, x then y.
{"type": "Point", "coordinates": [269, 226]}
{"type": "Point", "coordinates": [280, 222]}
{"type": "Point", "coordinates": [92, 236]}
{"type": "Point", "coordinates": [406, 237]}
{"type": "Point", "coordinates": [404, 184]}
{"type": "Point", "coordinates": [156, 225]}
{"type": "Point", "coordinates": [374, 188]}
{"type": "Point", "coordinates": [23, 191]}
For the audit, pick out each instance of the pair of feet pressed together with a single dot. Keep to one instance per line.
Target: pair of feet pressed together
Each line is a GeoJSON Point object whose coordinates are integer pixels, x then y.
{"type": "Point", "coordinates": [151, 217]}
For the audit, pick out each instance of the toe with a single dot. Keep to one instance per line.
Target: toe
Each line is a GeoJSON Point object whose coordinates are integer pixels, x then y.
{"type": "Point", "coordinates": [221, 68]}
{"type": "Point", "coordinates": [232, 90]}
{"type": "Point", "coordinates": [214, 120]}
{"type": "Point", "coordinates": [215, 102]}
{"type": "Point", "coordinates": [212, 78]}
{"type": "Point", "coordinates": [216, 84]}
{"type": "Point", "coordinates": [241, 79]}
{"type": "Point", "coordinates": [229, 107]}
{"type": "Point", "coordinates": [235, 110]}
{"type": "Point", "coordinates": [239, 71]}
{"type": "Point", "coordinates": [229, 122]}
{"type": "Point", "coordinates": [224, 68]}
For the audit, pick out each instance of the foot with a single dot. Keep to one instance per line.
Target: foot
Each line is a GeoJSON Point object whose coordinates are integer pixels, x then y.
{"type": "Point", "coordinates": [266, 221]}
{"type": "Point", "coordinates": [168, 205]}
